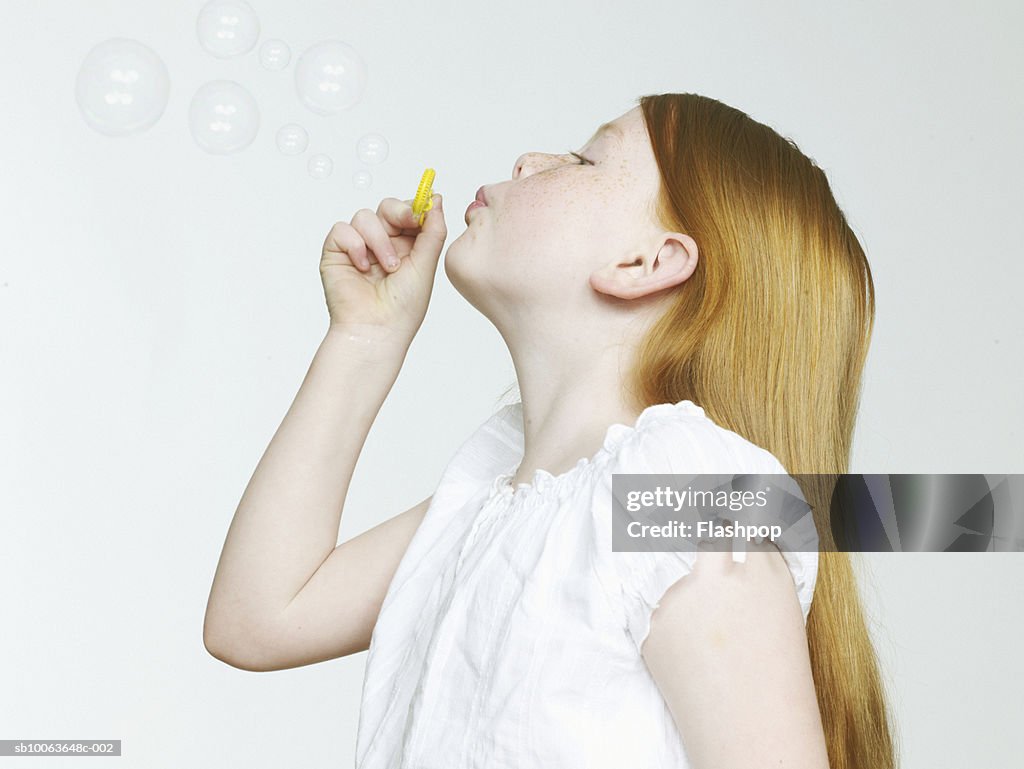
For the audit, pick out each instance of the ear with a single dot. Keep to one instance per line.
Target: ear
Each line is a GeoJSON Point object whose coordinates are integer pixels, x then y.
{"type": "Point", "coordinates": [671, 261]}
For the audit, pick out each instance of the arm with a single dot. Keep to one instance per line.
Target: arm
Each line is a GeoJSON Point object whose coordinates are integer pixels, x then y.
{"type": "Point", "coordinates": [728, 650]}
{"type": "Point", "coordinates": [283, 594]}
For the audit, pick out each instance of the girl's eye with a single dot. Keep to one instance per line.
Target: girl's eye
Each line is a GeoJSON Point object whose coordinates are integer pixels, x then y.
{"type": "Point", "coordinates": [583, 160]}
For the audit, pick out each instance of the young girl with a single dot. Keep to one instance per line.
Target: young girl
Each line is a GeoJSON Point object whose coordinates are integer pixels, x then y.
{"type": "Point", "coordinates": [681, 295]}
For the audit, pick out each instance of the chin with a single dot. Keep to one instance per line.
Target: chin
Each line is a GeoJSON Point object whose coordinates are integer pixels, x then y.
{"type": "Point", "coordinates": [458, 265]}
{"type": "Point", "coordinates": [453, 267]}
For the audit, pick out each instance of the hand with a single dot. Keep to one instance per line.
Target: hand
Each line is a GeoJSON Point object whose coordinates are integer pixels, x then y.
{"type": "Point", "coordinates": [362, 288]}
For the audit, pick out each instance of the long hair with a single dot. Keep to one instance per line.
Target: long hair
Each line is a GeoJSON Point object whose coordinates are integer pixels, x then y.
{"type": "Point", "coordinates": [769, 336]}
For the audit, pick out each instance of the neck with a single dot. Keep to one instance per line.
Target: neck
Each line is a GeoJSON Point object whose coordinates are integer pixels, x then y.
{"type": "Point", "coordinates": [570, 397]}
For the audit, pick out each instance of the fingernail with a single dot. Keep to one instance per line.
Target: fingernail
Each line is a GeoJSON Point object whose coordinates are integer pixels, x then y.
{"type": "Point", "coordinates": [392, 262]}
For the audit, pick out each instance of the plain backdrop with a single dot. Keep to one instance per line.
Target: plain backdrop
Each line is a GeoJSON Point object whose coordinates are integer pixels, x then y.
{"type": "Point", "coordinates": [159, 307]}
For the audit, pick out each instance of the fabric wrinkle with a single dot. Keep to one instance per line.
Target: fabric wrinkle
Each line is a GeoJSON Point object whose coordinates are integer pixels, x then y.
{"type": "Point", "coordinates": [509, 606]}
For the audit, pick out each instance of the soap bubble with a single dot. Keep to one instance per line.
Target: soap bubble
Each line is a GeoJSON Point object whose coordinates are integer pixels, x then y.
{"type": "Point", "coordinates": [122, 87]}
{"type": "Point", "coordinates": [372, 149]}
{"type": "Point", "coordinates": [362, 180]}
{"type": "Point", "coordinates": [223, 117]}
{"type": "Point", "coordinates": [330, 77]}
{"type": "Point", "coordinates": [275, 55]}
{"type": "Point", "coordinates": [227, 28]}
{"type": "Point", "coordinates": [320, 166]}
{"type": "Point", "coordinates": [292, 139]}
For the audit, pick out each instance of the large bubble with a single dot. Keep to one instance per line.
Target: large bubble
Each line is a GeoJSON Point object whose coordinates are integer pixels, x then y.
{"type": "Point", "coordinates": [122, 87]}
{"type": "Point", "coordinates": [320, 166]}
{"type": "Point", "coordinates": [292, 139]}
{"type": "Point", "coordinates": [330, 77]}
{"type": "Point", "coordinates": [227, 28]}
{"type": "Point", "coordinates": [223, 117]}
{"type": "Point", "coordinates": [275, 55]}
{"type": "Point", "coordinates": [372, 149]}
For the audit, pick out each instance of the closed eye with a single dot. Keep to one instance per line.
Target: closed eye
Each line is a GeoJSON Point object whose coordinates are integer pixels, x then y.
{"type": "Point", "coordinates": [583, 160]}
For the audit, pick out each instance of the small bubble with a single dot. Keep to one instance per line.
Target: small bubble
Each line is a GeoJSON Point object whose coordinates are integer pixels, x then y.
{"type": "Point", "coordinates": [330, 77]}
{"type": "Point", "coordinates": [372, 149]}
{"type": "Point", "coordinates": [292, 139]}
{"type": "Point", "coordinates": [227, 28]}
{"type": "Point", "coordinates": [320, 166]}
{"type": "Point", "coordinates": [223, 117]}
{"type": "Point", "coordinates": [362, 180]}
{"type": "Point", "coordinates": [275, 55]}
{"type": "Point", "coordinates": [122, 87]}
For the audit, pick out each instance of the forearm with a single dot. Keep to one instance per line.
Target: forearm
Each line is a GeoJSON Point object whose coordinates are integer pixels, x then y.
{"type": "Point", "coordinates": [288, 519]}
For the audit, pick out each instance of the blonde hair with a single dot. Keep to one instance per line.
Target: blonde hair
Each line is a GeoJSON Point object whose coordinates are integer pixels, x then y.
{"type": "Point", "coordinates": [769, 336]}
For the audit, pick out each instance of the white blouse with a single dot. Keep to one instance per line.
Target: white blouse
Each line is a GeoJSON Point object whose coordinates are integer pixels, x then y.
{"type": "Point", "coordinates": [510, 634]}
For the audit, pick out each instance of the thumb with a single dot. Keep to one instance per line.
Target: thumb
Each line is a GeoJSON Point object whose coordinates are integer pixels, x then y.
{"type": "Point", "coordinates": [428, 244]}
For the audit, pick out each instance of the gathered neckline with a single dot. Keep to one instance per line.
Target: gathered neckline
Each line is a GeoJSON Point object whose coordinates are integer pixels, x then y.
{"type": "Point", "coordinates": [616, 433]}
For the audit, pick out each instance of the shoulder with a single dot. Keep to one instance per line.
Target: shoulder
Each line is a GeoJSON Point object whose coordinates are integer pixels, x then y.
{"type": "Point", "coordinates": [687, 441]}
{"type": "Point", "coordinates": [490, 449]}
{"type": "Point", "coordinates": [714, 632]}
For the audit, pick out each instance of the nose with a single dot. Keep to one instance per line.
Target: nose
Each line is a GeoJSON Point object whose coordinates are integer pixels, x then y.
{"type": "Point", "coordinates": [530, 162]}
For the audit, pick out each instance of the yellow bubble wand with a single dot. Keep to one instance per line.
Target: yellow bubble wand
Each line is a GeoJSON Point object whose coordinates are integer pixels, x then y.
{"type": "Point", "coordinates": [424, 199]}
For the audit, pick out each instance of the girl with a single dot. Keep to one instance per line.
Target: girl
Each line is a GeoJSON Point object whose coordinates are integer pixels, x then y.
{"type": "Point", "coordinates": [681, 295]}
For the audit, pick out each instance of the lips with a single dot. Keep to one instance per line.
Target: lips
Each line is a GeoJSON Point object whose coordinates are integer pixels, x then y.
{"type": "Point", "coordinates": [480, 196]}
{"type": "Point", "coordinates": [472, 207]}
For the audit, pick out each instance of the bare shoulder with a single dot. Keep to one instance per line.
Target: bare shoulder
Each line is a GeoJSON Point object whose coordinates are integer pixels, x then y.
{"type": "Point", "coordinates": [727, 648]}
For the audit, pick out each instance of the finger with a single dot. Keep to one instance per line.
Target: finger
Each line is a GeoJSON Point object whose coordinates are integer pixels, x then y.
{"type": "Point", "coordinates": [397, 216]}
{"type": "Point", "coordinates": [344, 239]}
{"type": "Point", "coordinates": [427, 248]}
{"type": "Point", "coordinates": [370, 226]}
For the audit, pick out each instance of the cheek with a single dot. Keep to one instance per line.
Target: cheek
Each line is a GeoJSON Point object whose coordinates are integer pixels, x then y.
{"type": "Point", "coordinates": [544, 224]}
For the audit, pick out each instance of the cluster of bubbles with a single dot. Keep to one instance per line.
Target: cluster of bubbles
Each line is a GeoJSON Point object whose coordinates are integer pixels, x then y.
{"type": "Point", "coordinates": [123, 88]}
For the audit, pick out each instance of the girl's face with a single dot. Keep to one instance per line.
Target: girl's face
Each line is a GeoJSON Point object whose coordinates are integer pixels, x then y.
{"type": "Point", "coordinates": [558, 230]}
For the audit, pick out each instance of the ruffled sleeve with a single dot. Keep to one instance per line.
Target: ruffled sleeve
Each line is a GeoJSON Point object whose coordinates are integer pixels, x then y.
{"type": "Point", "coordinates": [684, 441]}
{"type": "Point", "coordinates": [491, 450]}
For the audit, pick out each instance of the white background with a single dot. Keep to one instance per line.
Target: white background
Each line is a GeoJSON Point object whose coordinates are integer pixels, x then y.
{"type": "Point", "coordinates": [159, 307]}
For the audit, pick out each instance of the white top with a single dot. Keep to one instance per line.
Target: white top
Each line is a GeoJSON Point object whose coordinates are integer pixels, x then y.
{"type": "Point", "coordinates": [510, 635]}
